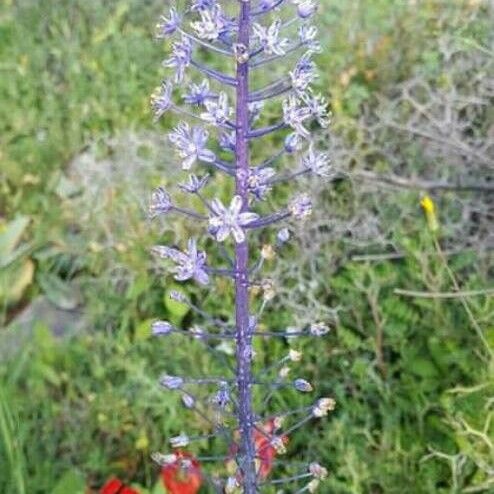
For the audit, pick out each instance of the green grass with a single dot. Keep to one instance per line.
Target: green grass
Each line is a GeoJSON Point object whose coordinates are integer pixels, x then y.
{"type": "Point", "coordinates": [74, 412]}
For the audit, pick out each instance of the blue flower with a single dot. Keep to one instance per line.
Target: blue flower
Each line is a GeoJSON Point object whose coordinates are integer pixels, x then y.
{"type": "Point", "coordinates": [168, 25]}
{"type": "Point", "coordinates": [191, 144]}
{"type": "Point", "coordinates": [161, 202]}
{"type": "Point", "coordinates": [195, 184]}
{"type": "Point", "coordinates": [217, 111]}
{"type": "Point", "coordinates": [180, 58]}
{"type": "Point", "coordinates": [300, 206]}
{"type": "Point", "coordinates": [308, 37]}
{"type": "Point", "coordinates": [318, 163]}
{"type": "Point", "coordinates": [305, 8]}
{"type": "Point", "coordinates": [198, 94]}
{"type": "Point", "coordinates": [304, 74]}
{"type": "Point", "coordinates": [258, 181]}
{"type": "Point", "coordinates": [294, 115]}
{"type": "Point", "coordinates": [269, 38]}
{"type": "Point", "coordinates": [293, 143]}
{"type": "Point", "coordinates": [161, 100]}
{"type": "Point", "coordinates": [227, 141]}
{"type": "Point", "coordinates": [171, 382]}
{"type": "Point", "coordinates": [317, 106]}
{"type": "Point", "coordinates": [189, 264]}
{"type": "Point", "coordinates": [211, 25]}
{"type": "Point", "coordinates": [202, 5]}
{"type": "Point", "coordinates": [161, 328]}
{"type": "Point", "coordinates": [229, 221]}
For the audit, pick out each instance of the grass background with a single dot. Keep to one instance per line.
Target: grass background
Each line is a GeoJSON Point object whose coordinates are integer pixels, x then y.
{"type": "Point", "coordinates": [75, 79]}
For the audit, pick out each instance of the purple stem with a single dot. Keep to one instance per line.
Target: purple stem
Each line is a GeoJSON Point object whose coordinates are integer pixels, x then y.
{"type": "Point", "coordinates": [243, 331]}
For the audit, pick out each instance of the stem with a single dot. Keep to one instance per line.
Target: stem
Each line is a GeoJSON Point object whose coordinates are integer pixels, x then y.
{"type": "Point", "coordinates": [243, 336]}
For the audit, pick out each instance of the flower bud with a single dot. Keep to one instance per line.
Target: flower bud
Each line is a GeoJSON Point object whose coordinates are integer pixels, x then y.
{"type": "Point", "coordinates": [302, 385]}
{"type": "Point", "coordinates": [161, 328]}
{"type": "Point", "coordinates": [318, 471]}
{"type": "Point", "coordinates": [323, 406]}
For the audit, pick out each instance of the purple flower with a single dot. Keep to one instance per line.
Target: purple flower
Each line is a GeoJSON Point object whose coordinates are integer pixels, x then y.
{"type": "Point", "coordinates": [229, 221]}
{"type": "Point", "coordinates": [318, 163]}
{"type": "Point", "coordinates": [198, 5]}
{"type": "Point", "coordinates": [304, 73]}
{"type": "Point", "coordinates": [267, 5]}
{"type": "Point", "coordinates": [171, 382]}
{"type": "Point", "coordinates": [294, 115]}
{"type": "Point", "coordinates": [258, 181]}
{"type": "Point", "coordinates": [227, 141]}
{"type": "Point", "coordinates": [302, 385]}
{"type": "Point", "coordinates": [318, 329]}
{"type": "Point", "coordinates": [308, 37]}
{"type": "Point", "coordinates": [305, 8]}
{"type": "Point", "coordinates": [191, 144]}
{"type": "Point", "coordinates": [161, 100]}
{"type": "Point", "coordinates": [269, 38]}
{"type": "Point", "coordinates": [195, 184]}
{"type": "Point", "coordinates": [255, 110]}
{"type": "Point", "coordinates": [317, 106]}
{"type": "Point", "coordinates": [161, 328]}
{"type": "Point", "coordinates": [222, 397]}
{"type": "Point", "coordinates": [212, 23]}
{"type": "Point", "coordinates": [300, 206]}
{"type": "Point", "coordinates": [180, 58]}
{"type": "Point", "coordinates": [161, 202]}
{"type": "Point", "coordinates": [189, 264]}
{"type": "Point", "coordinates": [217, 111]}
{"type": "Point", "coordinates": [198, 94]}
{"type": "Point", "coordinates": [293, 143]}
{"type": "Point", "coordinates": [168, 25]}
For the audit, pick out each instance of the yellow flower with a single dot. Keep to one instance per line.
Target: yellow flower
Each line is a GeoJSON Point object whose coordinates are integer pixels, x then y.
{"type": "Point", "coordinates": [430, 213]}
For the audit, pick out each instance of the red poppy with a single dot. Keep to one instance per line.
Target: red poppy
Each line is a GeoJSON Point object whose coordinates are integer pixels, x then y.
{"type": "Point", "coordinates": [115, 486]}
{"type": "Point", "coordinates": [263, 436]}
{"type": "Point", "coordinates": [183, 476]}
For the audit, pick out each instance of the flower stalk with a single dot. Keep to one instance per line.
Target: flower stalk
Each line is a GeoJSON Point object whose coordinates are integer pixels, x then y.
{"type": "Point", "coordinates": [224, 106]}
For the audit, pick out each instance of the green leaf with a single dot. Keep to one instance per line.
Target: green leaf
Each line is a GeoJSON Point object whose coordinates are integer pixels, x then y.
{"type": "Point", "coordinates": [58, 292]}
{"type": "Point", "coordinates": [143, 330]}
{"type": "Point", "coordinates": [72, 482]}
{"type": "Point", "coordinates": [177, 310]}
{"type": "Point", "coordinates": [10, 236]}
{"type": "Point", "coordinates": [14, 280]}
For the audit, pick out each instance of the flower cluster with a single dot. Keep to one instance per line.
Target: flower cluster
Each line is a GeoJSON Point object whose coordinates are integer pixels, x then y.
{"type": "Point", "coordinates": [223, 119]}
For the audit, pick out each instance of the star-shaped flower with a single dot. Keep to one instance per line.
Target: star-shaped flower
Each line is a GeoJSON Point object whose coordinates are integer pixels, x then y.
{"type": "Point", "coordinates": [189, 264]}
{"type": "Point", "coordinates": [230, 221]}
{"type": "Point", "coordinates": [161, 100]}
{"type": "Point", "coordinates": [217, 111]}
{"type": "Point", "coordinates": [168, 25]}
{"type": "Point", "coordinates": [191, 144]}
{"type": "Point", "coordinates": [198, 94]}
{"type": "Point", "coordinates": [180, 58]}
{"type": "Point", "coordinates": [316, 162]}
{"type": "Point", "coordinates": [269, 38]}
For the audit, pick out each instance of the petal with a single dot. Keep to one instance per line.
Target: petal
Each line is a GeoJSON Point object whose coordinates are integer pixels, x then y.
{"type": "Point", "coordinates": [207, 156]}
{"type": "Point", "coordinates": [246, 218]}
{"type": "Point", "coordinates": [238, 234]}
{"type": "Point", "coordinates": [222, 233]}
{"type": "Point", "coordinates": [236, 205]}
{"type": "Point", "coordinates": [217, 207]}
{"type": "Point", "coordinates": [188, 162]}
{"type": "Point", "coordinates": [201, 277]}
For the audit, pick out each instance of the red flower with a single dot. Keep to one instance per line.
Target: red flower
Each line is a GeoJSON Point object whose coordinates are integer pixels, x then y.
{"type": "Point", "coordinates": [115, 486]}
{"type": "Point", "coordinates": [266, 451]}
{"type": "Point", "coordinates": [183, 476]}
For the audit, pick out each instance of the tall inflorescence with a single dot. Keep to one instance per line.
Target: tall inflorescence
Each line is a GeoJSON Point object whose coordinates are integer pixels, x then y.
{"type": "Point", "coordinates": [241, 74]}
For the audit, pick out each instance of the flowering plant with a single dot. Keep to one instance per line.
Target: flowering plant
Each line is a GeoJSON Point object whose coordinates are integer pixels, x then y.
{"type": "Point", "coordinates": [247, 35]}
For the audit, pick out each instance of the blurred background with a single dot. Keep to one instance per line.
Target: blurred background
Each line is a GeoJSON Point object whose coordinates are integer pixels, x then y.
{"type": "Point", "coordinates": [409, 361]}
